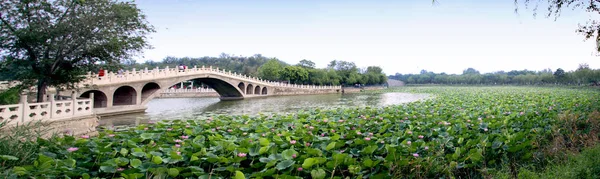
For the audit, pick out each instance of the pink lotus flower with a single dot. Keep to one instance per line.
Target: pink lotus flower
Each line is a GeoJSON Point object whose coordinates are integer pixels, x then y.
{"type": "Point", "coordinates": [264, 134]}
{"type": "Point", "coordinates": [178, 153]}
{"type": "Point", "coordinates": [485, 129]}
{"type": "Point", "coordinates": [521, 113]}
{"type": "Point", "coordinates": [145, 128]}
{"type": "Point", "coordinates": [420, 136]}
{"type": "Point", "coordinates": [370, 134]}
{"type": "Point", "coordinates": [426, 148]}
{"type": "Point", "coordinates": [353, 128]}
{"type": "Point", "coordinates": [469, 120]}
{"type": "Point", "coordinates": [367, 138]}
{"type": "Point", "coordinates": [85, 136]}
{"type": "Point", "coordinates": [416, 155]}
{"type": "Point", "coordinates": [111, 135]}
{"type": "Point", "coordinates": [408, 143]}
{"type": "Point", "coordinates": [293, 142]}
{"type": "Point", "coordinates": [332, 131]}
{"type": "Point", "coordinates": [229, 130]}
{"type": "Point", "coordinates": [187, 126]}
{"type": "Point", "coordinates": [340, 120]}
{"type": "Point", "coordinates": [241, 154]}
{"type": "Point", "coordinates": [245, 133]}
{"type": "Point", "coordinates": [120, 169]}
{"type": "Point", "coordinates": [300, 169]}
{"type": "Point", "coordinates": [250, 140]}
{"type": "Point", "coordinates": [382, 141]}
{"type": "Point", "coordinates": [307, 144]}
{"type": "Point", "coordinates": [177, 145]}
{"type": "Point", "coordinates": [214, 130]}
{"type": "Point", "coordinates": [272, 130]}
{"type": "Point", "coordinates": [178, 141]}
{"type": "Point", "coordinates": [322, 134]}
{"type": "Point", "coordinates": [324, 120]}
{"type": "Point", "coordinates": [311, 127]}
{"type": "Point", "coordinates": [185, 137]}
{"type": "Point", "coordinates": [479, 119]}
{"type": "Point", "coordinates": [409, 132]}
{"type": "Point", "coordinates": [294, 156]}
{"type": "Point", "coordinates": [169, 129]}
{"type": "Point", "coordinates": [358, 133]}
{"type": "Point", "coordinates": [72, 149]}
{"type": "Point", "coordinates": [279, 135]}
{"type": "Point", "coordinates": [218, 128]}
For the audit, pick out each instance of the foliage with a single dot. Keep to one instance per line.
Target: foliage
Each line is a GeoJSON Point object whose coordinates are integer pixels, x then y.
{"type": "Point", "coordinates": [10, 96]}
{"type": "Point", "coordinates": [54, 43]}
{"type": "Point", "coordinates": [294, 74]}
{"type": "Point", "coordinates": [18, 146]}
{"type": "Point", "coordinates": [582, 76]}
{"type": "Point", "coordinates": [462, 132]}
{"type": "Point", "coordinates": [272, 70]}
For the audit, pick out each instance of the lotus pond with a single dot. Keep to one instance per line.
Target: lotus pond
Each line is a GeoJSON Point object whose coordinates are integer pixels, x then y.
{"type": "Point", "coordinates": [461, 132]}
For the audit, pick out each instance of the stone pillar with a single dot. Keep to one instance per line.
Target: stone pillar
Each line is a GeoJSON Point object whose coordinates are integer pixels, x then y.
{"type": "Point", "coordinates": [110, 99]}
{"type": "Point", "coordinates": [92, 100]}
{"type": "Point", "coordinates": [181, 86]}
{"type": "Point", "coordinates": [74, 104]}
{"type": "Point", "coordinates": [138, 97]}
{"type": "Point", "coordinates": [51, 100]}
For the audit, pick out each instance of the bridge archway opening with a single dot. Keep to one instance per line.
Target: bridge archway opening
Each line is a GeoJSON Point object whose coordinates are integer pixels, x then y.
{"type": "Point", "coordinates": [242, 87]}
{"type": "Point", "coordinates": [264, 91]}
{"type": "Point", "coordinates": [100, 99]}
{"type": "Point", "coordinates": [226, 90]}
{"type": "Point", "coordinates": [149, 89]}
{"type": "Point", "coordinates": [124, 95]}
{"type": "Point", "coordinates": [257, 90]}
{"type": "Point", "coordinates": [249, 89]}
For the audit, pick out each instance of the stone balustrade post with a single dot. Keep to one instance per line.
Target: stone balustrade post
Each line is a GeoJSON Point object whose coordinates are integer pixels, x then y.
{"type": "Point", "coordinates": [92, 101]}
{"type": "Point", "coordinates": [74, 104]}
{"type": "Point", "coordinates": [52, 105]}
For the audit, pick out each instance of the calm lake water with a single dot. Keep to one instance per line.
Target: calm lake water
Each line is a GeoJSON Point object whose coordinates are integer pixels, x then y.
{"type": "Point", "coordinates": [194, 108]}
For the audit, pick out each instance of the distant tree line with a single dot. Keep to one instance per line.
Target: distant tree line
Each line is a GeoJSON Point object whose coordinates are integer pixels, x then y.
{"type": "Point", "coordinates": [336, 73]}
{"type": "Point", "coordinates": [583, 75]}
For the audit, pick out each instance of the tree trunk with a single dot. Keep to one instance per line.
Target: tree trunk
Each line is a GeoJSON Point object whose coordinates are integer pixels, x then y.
{"type": "Point", "coordinates": [41, 90]}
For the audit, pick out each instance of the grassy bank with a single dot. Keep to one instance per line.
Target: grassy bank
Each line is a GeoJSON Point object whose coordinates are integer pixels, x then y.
{"type": "Point", "coordinates": [463, 132]}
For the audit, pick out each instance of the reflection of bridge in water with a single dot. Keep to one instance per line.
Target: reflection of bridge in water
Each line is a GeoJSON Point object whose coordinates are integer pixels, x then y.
{"type": "Point", "coordinates": [131, 91]}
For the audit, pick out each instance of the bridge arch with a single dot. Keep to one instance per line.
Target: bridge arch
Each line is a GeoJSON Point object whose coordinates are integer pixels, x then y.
{"type": "Point", "coordinates": [124, 95]}
{"type": "Point", "coordinates": [264, 91]}
{"type": "Point", "coordinates": [149, 89]}
{"type": "Point", "coordinates": [224, 87]}
{"type": "Point", "coordinates": [257, 90]}
{"type": "Point", "coordinates": [100, 99]}
{"type": "Point", "coordinates": [242, 87]}
{"type": "Point", "coordinates": [249, 89]}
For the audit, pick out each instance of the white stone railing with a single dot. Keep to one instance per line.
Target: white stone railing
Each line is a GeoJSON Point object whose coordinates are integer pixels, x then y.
{"type": "Point", "coordinates": [200, 90]}
{"type": "Point", "coordinates": [150, 74]}
{"type": "Point", "coordinates": [25, 112]}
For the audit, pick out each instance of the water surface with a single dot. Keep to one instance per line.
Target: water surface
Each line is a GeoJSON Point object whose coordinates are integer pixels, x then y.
{"type": "Point", "coordinates": [194, 108]}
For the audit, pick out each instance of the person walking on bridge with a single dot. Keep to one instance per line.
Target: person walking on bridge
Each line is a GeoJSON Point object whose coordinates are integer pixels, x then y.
{"type": "Point", "coordinates": [100, 73]}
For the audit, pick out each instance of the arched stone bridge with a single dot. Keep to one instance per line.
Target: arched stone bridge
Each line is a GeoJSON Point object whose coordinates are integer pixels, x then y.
{"type": "Point", "coordinates": [130, 91]}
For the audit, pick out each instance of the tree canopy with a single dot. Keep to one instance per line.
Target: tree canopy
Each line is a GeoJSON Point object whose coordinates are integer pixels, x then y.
{"type": "Point", "coordinates": [54, 43]}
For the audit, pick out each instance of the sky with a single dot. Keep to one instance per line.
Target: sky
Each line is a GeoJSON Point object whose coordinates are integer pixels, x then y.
{"type": "Point", "coordinates": [401, 36]}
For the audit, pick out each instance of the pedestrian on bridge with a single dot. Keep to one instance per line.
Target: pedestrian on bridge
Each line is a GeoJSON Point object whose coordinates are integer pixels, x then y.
{"type": "Point", "coordinates": [100, 73]}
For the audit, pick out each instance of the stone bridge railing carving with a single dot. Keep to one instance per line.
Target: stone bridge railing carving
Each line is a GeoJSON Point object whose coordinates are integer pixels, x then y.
{"type": "Point", "coordinates": [146, 74]}
{"type": "Point", "coordinates": [25, 112]}
{"type": "Point", "coordinates": [201, 90]}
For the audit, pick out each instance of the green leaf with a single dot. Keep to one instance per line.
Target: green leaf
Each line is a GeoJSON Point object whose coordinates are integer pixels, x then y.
{"type": "Point", "coordinates": [135, 163]}
{"type": "Point", "coordinates": [146, 136]}
{"type": "Point", "coordinates": [330, 146]}
{"type": "Point", "coordinates": [285, 164]}
{"type": "Point", "coordinates": [8, 157]}
{"type": "Point", "coordinates": [288, 154]}
{"type": "Point", "coordinates": [124, 152]}
{"type": "Point", "coordinates": [193, 158]}
{"type": "Point", "coordinates": [108, 169]}
{"type": "Point", "coordinates": [239, 175]}
{"type": "Point", "coordinates": [309, 162]}
{"type": "Point", "coordinates": [156, 160]}
{"type": "Point", "coordinates": [85, 176]}
{"type": "Point", "coordinates": [263, 150]}
{"type": "Point", "coordinates": [317, 174]}
{"type": "Point", "coordinates": [264, 142]}
{"type": "Point", "coordinates": [173, 172]}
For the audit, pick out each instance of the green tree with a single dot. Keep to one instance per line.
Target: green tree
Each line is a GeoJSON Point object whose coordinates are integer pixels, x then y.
{"type": "Point", "coordinates": [294, 74]}
{"type": "Point", "coordinates": [306, 63]}
{"type": "Point", "coordinates": [271, 70]}
{"type": "Point", "coordinates": [54, 43]}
